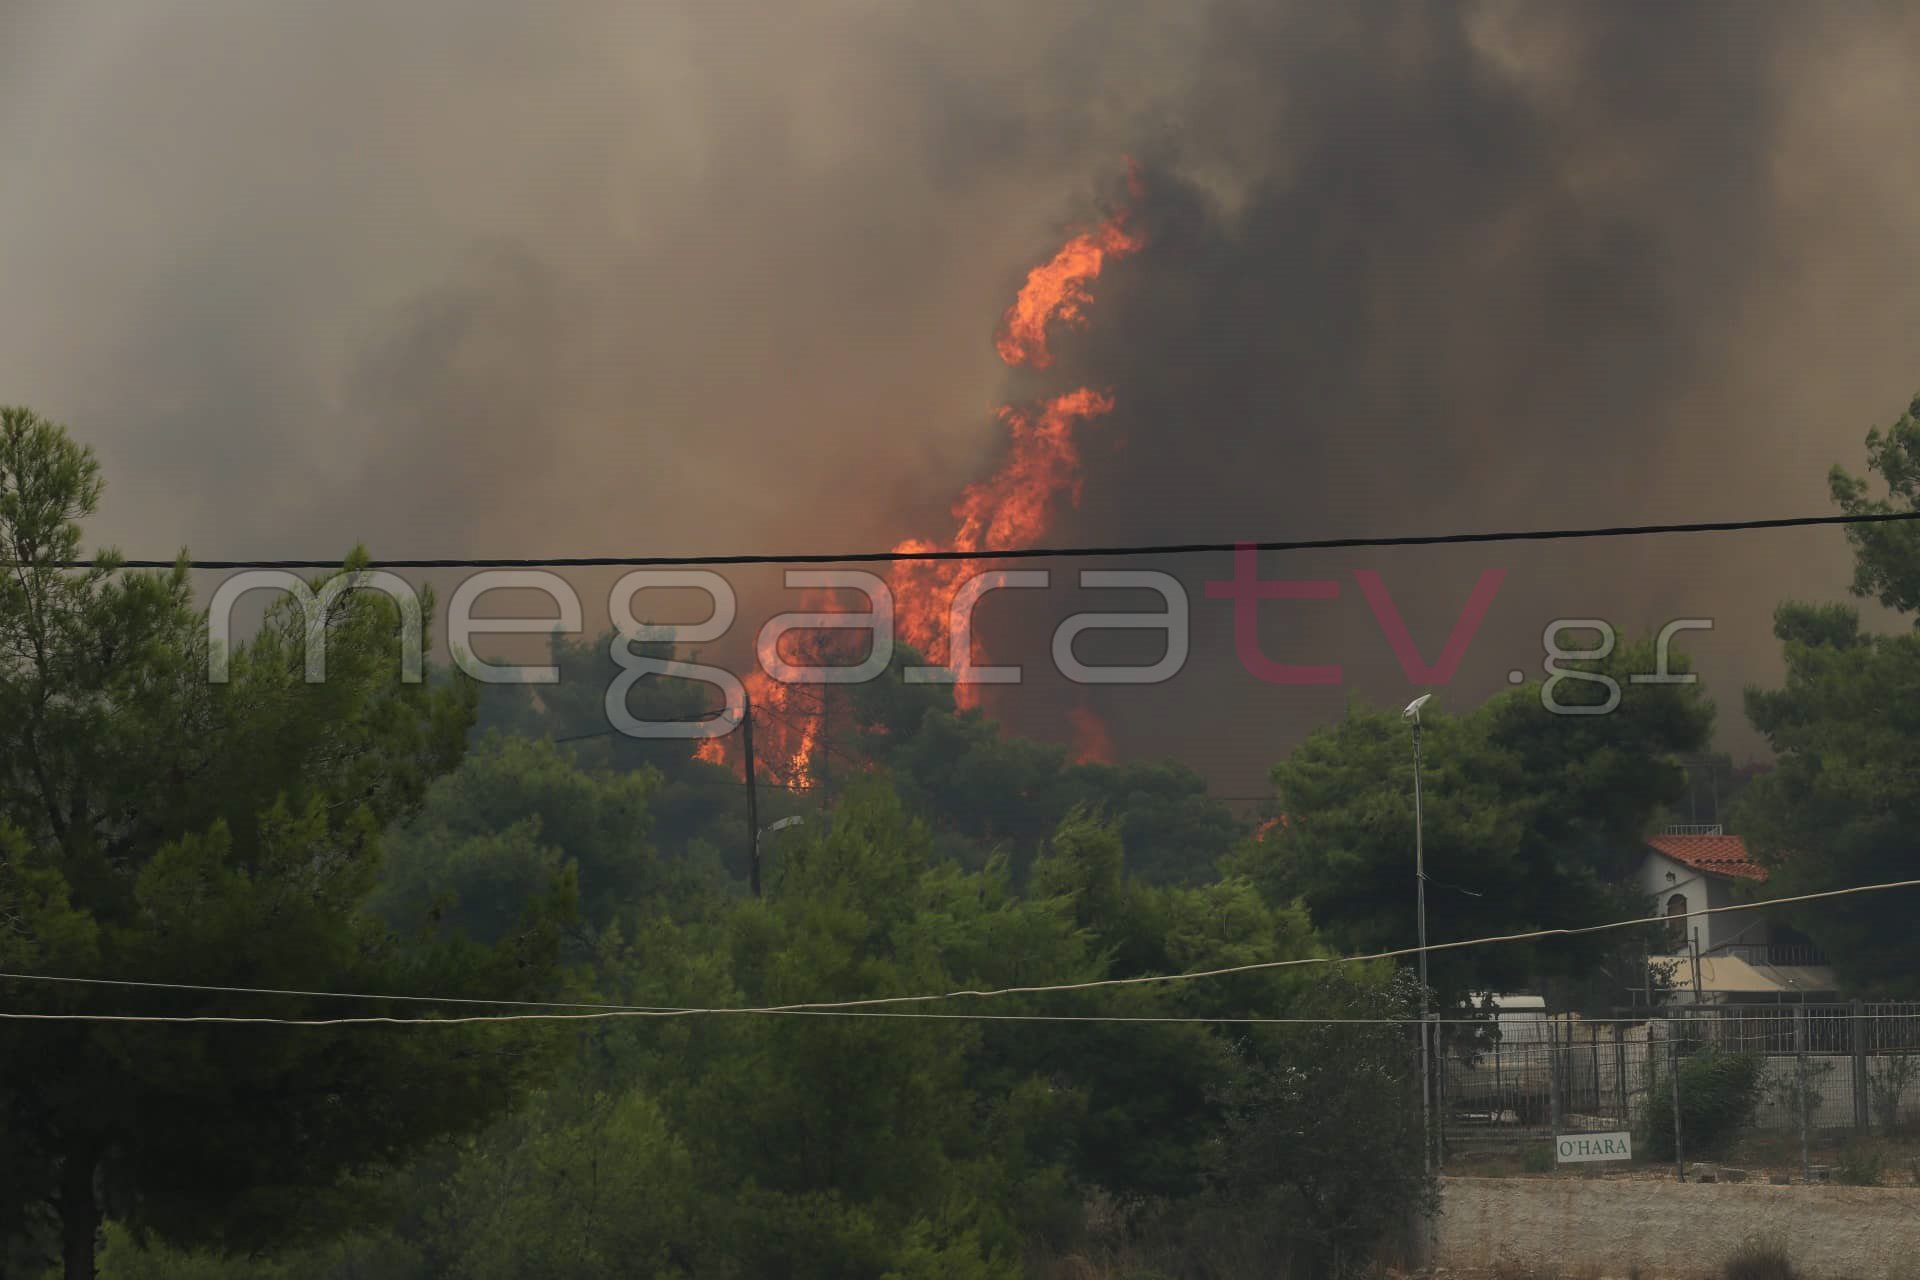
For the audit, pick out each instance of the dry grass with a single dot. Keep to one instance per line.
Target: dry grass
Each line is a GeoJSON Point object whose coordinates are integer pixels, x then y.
{"type": "Point", "coordinates": [1513, 1270]}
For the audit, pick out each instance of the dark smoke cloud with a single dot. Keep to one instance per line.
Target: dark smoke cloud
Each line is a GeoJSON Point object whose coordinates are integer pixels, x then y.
{"type": "Point", "coordinates": [1430, 269]}
{"type": "Point", "coordinates": [487, 278]}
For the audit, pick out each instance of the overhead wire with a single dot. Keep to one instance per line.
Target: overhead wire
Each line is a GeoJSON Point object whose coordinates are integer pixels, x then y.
{"type": "Point", "coordinates": [1107, 551]}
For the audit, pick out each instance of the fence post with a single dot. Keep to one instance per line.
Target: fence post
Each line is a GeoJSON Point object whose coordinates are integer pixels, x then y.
{"type": "Point", "coordinates": [1593, 1062]}
{"type": "Point", "coordinates": [1856, 1033]}
{"type": "Point", "coordinates": [1439, 1100]}
{"type": "Point", "coordinates": [1553, 1078]}
{"type": "Point", "coordinates": [1500, 1086]}
{"type": "Point", "coordinates": [1620, 1073]}
{"type": "Point", "coordinates": [1806, 1103]}
{"type": "Point", "coordinates": [1679, 1145]}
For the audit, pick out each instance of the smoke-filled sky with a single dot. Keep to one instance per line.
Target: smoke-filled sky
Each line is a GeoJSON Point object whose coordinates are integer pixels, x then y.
{"type": "Point", "coordinates": [456, 277]}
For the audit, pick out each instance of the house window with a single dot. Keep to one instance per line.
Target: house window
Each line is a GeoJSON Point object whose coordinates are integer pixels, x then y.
{"type": "Point", "coordinates": [1677, 923]}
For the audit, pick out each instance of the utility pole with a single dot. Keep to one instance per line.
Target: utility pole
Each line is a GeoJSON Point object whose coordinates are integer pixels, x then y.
{"type": "Point", "coordinates": [1697, 997]}
{"type": "Point", "coordinates": [753, 794]}
{"type": "Point", "coordinates": [1420, 897]}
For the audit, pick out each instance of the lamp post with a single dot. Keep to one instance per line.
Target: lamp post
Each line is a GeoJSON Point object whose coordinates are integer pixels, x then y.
{"type": "Point", "coordinates": [1412, 713]}
{"type": "Point", "coordinates": [762, 834]}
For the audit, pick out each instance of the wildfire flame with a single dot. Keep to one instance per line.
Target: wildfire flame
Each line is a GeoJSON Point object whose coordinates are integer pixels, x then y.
{"type": "Point", "coordinates": [1012, 508]}
{"type": "Point", "coordinates": [1092, 744]}
{"type": "Point", "coordinates": [788, 719]}
{"type": "Point", "coordinates": [1261, 832]}
{"type": "Point", "coordinates": [1059, 290]}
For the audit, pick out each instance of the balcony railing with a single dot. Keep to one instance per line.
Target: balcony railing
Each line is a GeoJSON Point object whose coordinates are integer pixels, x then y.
{"type": "Point", "coordinates": [1773, 953]}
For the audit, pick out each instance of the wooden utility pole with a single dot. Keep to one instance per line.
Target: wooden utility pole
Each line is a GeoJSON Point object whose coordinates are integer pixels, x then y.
{"type": "Point", "coordinates": [822, 776]}
{"type": "Point", "coordinates": [1698, 997]}
{"type": "Point", "coordinates": [753, 794]}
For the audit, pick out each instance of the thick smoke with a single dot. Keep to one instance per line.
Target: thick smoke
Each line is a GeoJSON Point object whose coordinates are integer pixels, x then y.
{"type": "Point", "coordinates": [1505, 267]}
{"type": "Point", "coordinates": [488, 279]}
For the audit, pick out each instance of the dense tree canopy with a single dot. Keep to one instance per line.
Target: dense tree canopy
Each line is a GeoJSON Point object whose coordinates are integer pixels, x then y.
{"type": "Point", "coordinates": [363, 834]}
{"type": "Point", "coordinates": [155, 823]}
{"type": "Point", "coordinates": [1842, 806]}
{"type": "Point", "coordinates": [1532, 820]}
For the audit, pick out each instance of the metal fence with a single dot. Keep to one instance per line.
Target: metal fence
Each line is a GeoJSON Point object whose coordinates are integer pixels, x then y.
{"type": "Point", "coordinates": [1823, 1078]}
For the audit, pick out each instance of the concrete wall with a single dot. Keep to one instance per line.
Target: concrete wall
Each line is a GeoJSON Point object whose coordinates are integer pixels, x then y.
{"type": "Point", "coordinates": [1603, 1227]}
{"type": "Point", "coordinates": [1830, 1080]}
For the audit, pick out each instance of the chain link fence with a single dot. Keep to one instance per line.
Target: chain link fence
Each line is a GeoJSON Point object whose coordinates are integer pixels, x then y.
{"type": "Point", "coordinates": [1803, 1091]}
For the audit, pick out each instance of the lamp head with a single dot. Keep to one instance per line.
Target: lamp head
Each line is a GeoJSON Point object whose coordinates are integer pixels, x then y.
{"type": "Point", "coordinates": [1413, 708]}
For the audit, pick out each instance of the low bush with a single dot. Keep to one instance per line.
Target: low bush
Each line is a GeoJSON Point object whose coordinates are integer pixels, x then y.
{"type": "Point", "coordinates": [1863, 1163]}
{"type": "Point", "coordinates": [1888, 1082]}
{"type": "Point", "coordinates": [1759, 1259]}
{"type": "Point", "coordinates": [1719, 1093]}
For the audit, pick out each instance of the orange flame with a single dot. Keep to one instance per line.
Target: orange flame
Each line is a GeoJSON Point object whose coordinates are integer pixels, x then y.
{"type": "Point", "coordinates": [1012, 508]}
{"type": "Point", "coordinates": [787, 724]}
{"type": "Point", "coordinates": [1060, 289]}
{"type": "Point", "coordinates": [1092, 744]}
{"type": "Point", "coordinates": [789, 720]}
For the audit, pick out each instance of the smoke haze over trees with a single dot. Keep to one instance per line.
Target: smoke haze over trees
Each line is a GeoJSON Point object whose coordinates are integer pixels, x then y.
{"type": "Point", "coordinates": [472, 278]}
{"type": "Point", "coordinates": [718, 279]}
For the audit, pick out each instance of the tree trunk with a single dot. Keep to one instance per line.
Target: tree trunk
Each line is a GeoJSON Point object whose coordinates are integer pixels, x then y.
{"type": "Point", "coordinates": [79, 1216]}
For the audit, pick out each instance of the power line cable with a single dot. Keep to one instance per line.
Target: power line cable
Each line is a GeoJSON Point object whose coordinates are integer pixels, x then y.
{"type": "Point", "coordinates": [868, 1004]}
{"type": "Point", "coordinates": [1015, 553]}
{"type": "Point", "coordinates": [907, 1015]}
{"type": "Point", "coordinates": [1533, 935]}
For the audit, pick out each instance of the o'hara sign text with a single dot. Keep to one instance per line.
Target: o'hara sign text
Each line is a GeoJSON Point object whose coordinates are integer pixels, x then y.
{"type": "Point", "coordinates": [1572, 1148]}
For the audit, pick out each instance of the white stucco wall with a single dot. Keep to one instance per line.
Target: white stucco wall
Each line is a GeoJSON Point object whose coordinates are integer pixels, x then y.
{"type": "Point", "coordinates": [1702, 892]}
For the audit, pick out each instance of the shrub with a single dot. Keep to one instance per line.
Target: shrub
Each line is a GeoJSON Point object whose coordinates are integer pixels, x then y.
{"type": "Point", "coordinates": [1324, 1133]}
{"type": "Point", "coordinates": [1862, 1164]}
{"type": "Point", "coordinates": [1887, 1082]}
{"type": "Point", "coordinates": [1719, 1092]}
{"type": "Point", "coordinates": [1800, 1088]}
{"type": "Point", "coordinates": [1759, 1259]}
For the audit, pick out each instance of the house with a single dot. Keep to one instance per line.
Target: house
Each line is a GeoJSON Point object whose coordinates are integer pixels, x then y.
{"type": "Point", "coordinates": [1696, 868]}
{"type": "Point", "coordinates": [1742, 956]}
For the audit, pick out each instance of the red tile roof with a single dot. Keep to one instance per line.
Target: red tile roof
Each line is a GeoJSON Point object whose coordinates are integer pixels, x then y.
{"type": "Point", "coordinates": [1715, 855]}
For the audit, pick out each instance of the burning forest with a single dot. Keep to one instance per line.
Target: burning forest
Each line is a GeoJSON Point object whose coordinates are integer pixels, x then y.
{"type": "Point", "coordinates": [1014, 507]}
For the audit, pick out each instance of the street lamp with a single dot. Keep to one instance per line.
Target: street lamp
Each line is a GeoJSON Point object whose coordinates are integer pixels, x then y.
{"type": "Point", "coordinates": [1412, 713]}
{"type": "Point", "coordinates": [762, 834]}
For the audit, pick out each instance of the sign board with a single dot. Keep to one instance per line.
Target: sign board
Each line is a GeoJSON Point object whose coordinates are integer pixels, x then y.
{"type": "Point", "coordinates": [1573, 1148]}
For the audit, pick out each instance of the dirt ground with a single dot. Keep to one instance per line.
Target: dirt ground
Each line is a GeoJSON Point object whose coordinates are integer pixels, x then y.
{"type": "Point", "coordinates": [1646, 1228]}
